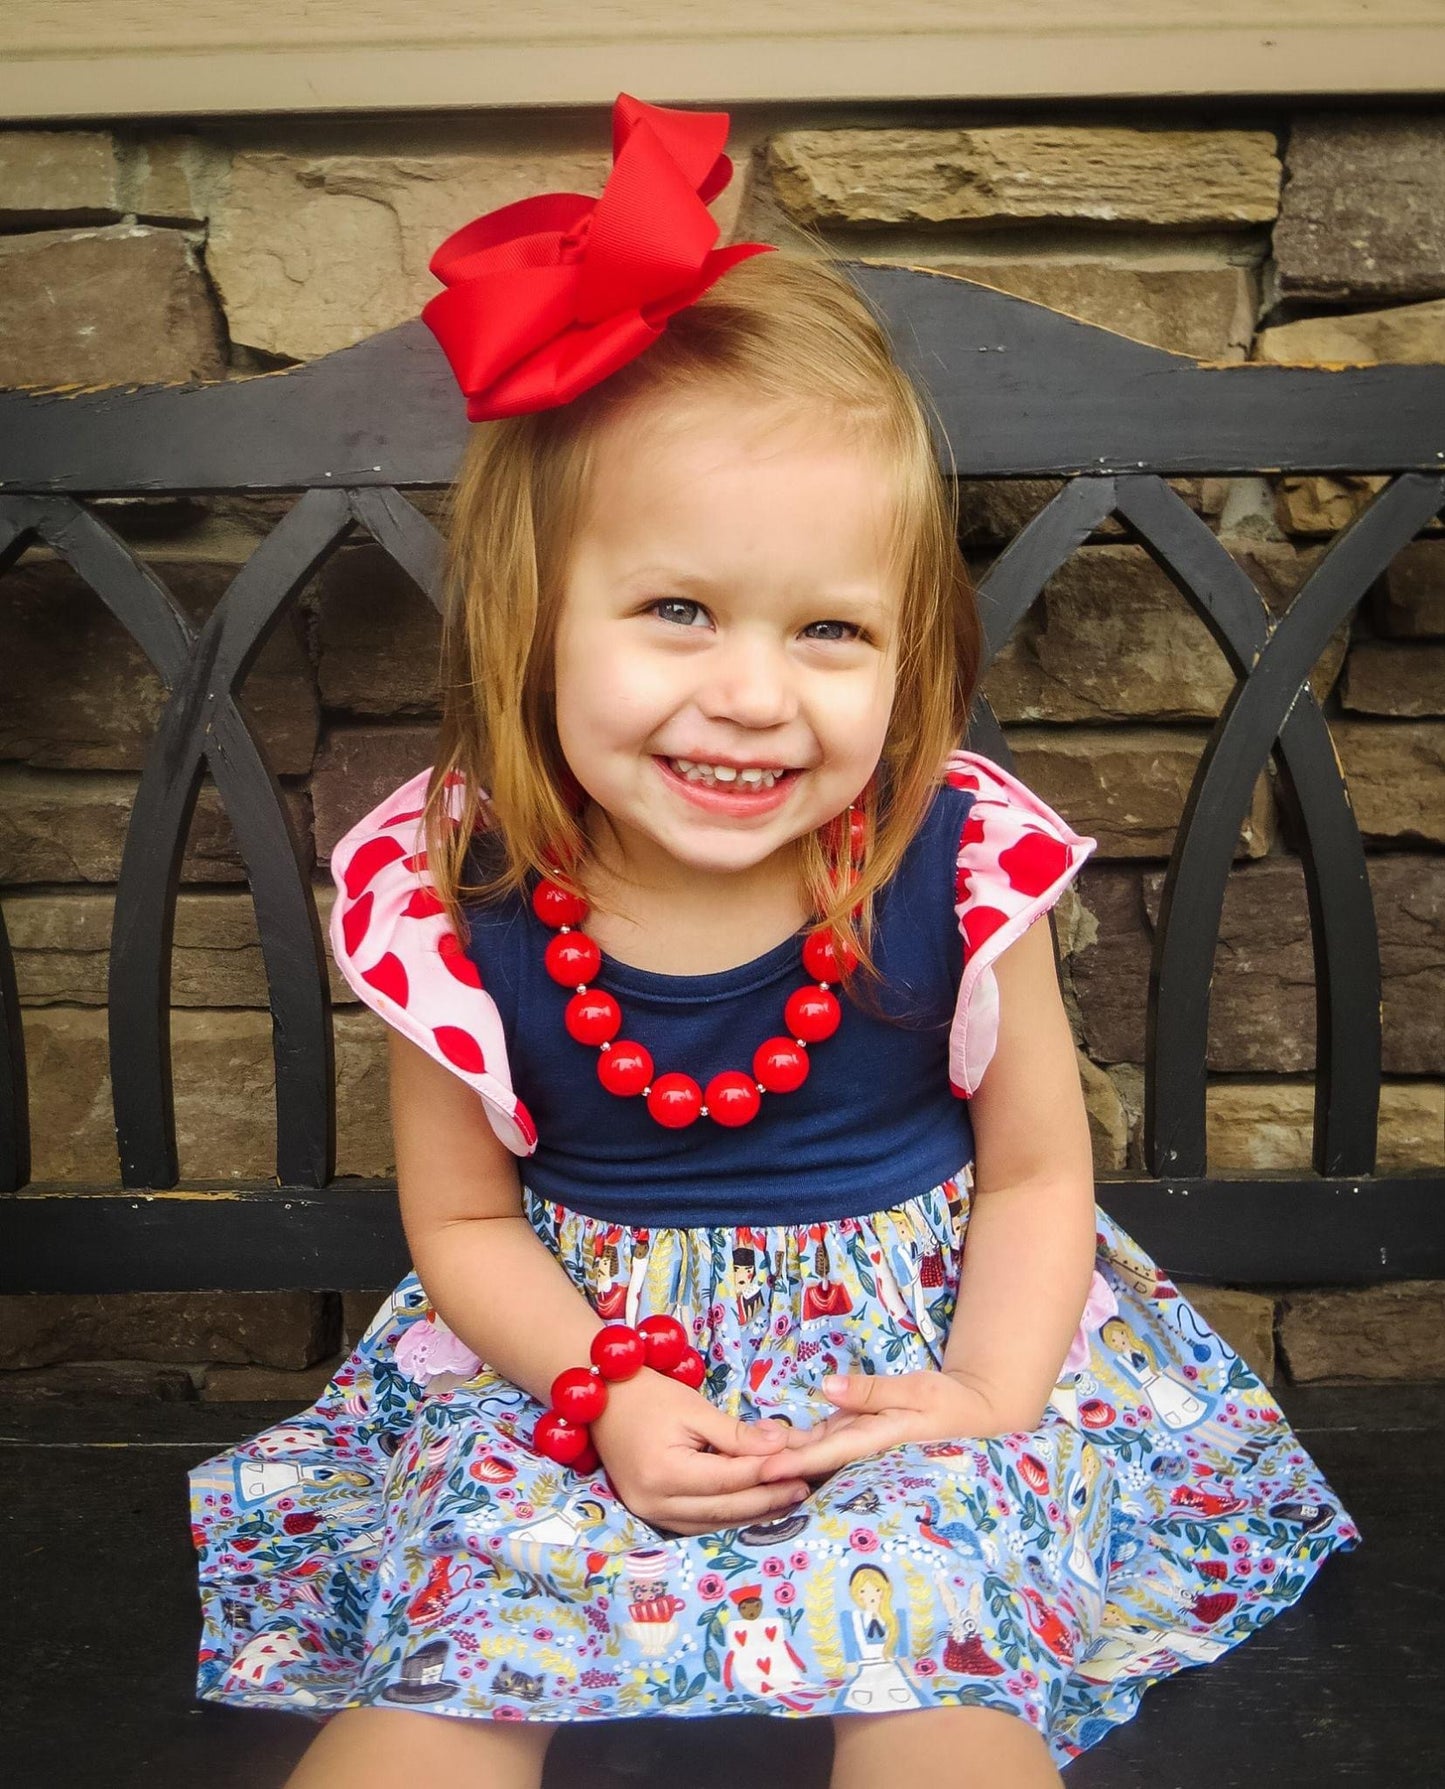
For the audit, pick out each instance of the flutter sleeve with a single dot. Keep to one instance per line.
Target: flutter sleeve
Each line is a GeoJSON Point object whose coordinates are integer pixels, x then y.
{"type": "Point", "coordinates": [1015, 858]}
{"type": "Point", "coordinates": [394, 946]}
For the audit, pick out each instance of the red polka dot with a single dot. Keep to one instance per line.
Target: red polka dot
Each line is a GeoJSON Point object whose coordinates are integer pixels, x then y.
{"type": "Point", "coordinates": [956, 1090]}
{"type": "Point", "coordinates": [373, 856]}
{"type": "Point", "coordinates": [980, 923]}
{"type": "Point", "coordinates": [972, 833]}
{"type": "Point", "coordinates": [962, 779]}
{"type": "Point", "coordinates": [524, 1124]}
{"type": "Point", "coordinates": [416, 863]}
{"type": "Point", "coordinates": [388, 977]}
{"type": "Point", "coordinates": [449, 948]}
{"type": "Point", "coordinates": [1035, 863]}
{"type": "Point", "coordinates": [422, 905]}
{"type": "Point", "coordinates": [354, 922]}
{"type": "Point", "coordinates": [414, 814]}
{"type": "Point", "coordinates": [960, 883]}
{"type": "Point", "coordinates": [460, 1048]}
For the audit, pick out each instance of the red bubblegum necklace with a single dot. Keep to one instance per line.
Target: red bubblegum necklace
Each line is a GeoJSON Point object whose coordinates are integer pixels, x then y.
{"type": "Point", "coordinates": [732, 1098]}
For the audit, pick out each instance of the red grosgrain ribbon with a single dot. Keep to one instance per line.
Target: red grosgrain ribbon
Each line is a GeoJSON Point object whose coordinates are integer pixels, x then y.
{"type": "Point", "coordinates": [548, 295]}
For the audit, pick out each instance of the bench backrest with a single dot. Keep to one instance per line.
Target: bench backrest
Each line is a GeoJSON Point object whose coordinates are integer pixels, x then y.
{"type": "Point", "coordinates": [1021, 392]}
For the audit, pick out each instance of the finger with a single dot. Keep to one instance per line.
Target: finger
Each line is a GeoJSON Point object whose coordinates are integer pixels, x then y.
{"type": "Point", "coordinates": [734, 1435]}
{"type": "Point", "coordinates": [705, 1515]}
{"type": "Point", "coordinates": [872, 1391]}
{"type": "Point", "coordinates": [691, 1473]}
{"type": "Point", "coordinates": [785, 1463]}
{"type": "Point", "coordinates": [872, 1436]}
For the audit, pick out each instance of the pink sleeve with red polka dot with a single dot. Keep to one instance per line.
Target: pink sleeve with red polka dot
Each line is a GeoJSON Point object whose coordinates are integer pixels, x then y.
{"type": "Point", "coordinates": [1015, 858]}
{"type": "Point", "coordinates": [392, 943]}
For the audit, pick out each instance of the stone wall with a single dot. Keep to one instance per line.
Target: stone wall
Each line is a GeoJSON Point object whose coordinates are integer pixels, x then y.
{"type": "Point", "coordinates": [128, 257]}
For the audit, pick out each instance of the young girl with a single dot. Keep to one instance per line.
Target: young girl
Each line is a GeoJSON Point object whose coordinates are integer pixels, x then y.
{"type": "Point", "coordinates": [721, 1031]}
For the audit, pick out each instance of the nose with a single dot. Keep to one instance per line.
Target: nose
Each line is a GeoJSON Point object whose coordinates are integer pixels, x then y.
{"type": "Point", "coordinates": [747, 679]}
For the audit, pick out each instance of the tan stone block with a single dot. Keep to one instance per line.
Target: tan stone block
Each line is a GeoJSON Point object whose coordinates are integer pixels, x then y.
{"type": "Point", "coordinates": [78, 693]}
{"type": "Point", "coordinates": [1361, 218]}
{"type": "Point", "coordinates": [1244, 1319]}
{"type": "Point", "coordinates": [356, 767]}
{"type": "Point", "coordinates": [1411, 595]}
{"type": "Point", "coordinates": [1108, 1127]}
{"type": "Point", "coordinates": [1317, 504]}
{"type": "Point", "coordinates": [124, 305]}
{"type": "Point", "coordinates": [378, 638]}
{"type": "Point", "coordinates": [1396, 776]}
{"type": "Point", "coordinates": [223, 1085]}
{"type": "Point", "coordinates": [358, 1308]}
{"type": "Point", "coordinates": [1126, 786]}
{"type": "Point", "coordinates": [260, 1385]}
{"type": "Point", "coordinates": [1105, 175]}
{"type": "Point", "coordinates": [1110, 638]}
{"type": "Point", "coordinates": [1206, 312]}
{"type": "Point", "coordinates": [173, 179]}
{"type": "Point", "coordinates": [994, 510]}
{"type": "Point", "coordinates": [313, 252]}
{"type": "Point", "coordinates": [1412, 334]}
{"type": "Point", "coordinates": [57, 176]}
{"type": "Point", "coordinates": [1368, 1332]}
{"type": "Point", "coordinates": [276, 1329]}
{"type": "Point", "coordinates": [1261, 1126]}
{"type": "Point", "coordinates": [364, 1144]}
{"type": "Point", "coordinates": [60, 939]}
{"type": "Point", "coordinates": [69, 826]}
{"type": "Point", "coordinates": [1395, 677]}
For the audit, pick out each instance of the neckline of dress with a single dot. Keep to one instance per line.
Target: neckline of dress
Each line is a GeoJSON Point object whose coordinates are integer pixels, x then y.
{"type": "Point", "coordinates": [742, 978]}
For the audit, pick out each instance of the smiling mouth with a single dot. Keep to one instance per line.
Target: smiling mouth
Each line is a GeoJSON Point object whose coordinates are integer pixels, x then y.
{"type": "Point", "coordinates": [726, 776]}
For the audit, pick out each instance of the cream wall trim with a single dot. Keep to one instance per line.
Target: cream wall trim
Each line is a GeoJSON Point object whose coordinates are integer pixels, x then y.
{"type": "Point", "coordinates": [75, 59]}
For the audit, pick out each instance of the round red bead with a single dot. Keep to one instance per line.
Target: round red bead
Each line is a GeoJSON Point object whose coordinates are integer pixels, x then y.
{"type": "Point", "coordinates": [691, 1369]}
{"type": "Point", "coordinates": [780, 1065]}
{"type": "Point", "coordinates": [825, 958]}
{"type": "Point", "coordinates": [587, 1461]}
{"type": "Point", "coordinates": [675, 1101]}
{"type": "Point", "coordinates": [558, 1439]}
{"type": "Point", "coordinates": [732, 1098]}
{"type": "Point", "coordinates": [665, 1340]}
{"type": "Point", "coordinates": [617, 1351]}
{"type": "Point", "coordinates": [624, 1069]}
{"type": "Point", "coordinates": [812, 1014]}
{"type": "Point", "coordinates": [578, 1395]}
{"type": "Point", "coordinates": [572, 958]}
{"type": "Point", "coordinates": [593, 1017]}
{"type": "Point", "coordinates": [557, 906]}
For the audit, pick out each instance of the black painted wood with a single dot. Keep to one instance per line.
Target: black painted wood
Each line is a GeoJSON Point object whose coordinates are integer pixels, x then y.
{"type": "Point", "coordinates": [99, 1682]}
{"type": "Point", "coordinates": [1264, 1230]}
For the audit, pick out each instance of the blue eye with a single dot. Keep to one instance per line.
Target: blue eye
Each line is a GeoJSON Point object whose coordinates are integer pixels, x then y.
{"type": "Point", "coordinates": [849, 630]}
{"type": "Point", "coordinates": [690, 610]}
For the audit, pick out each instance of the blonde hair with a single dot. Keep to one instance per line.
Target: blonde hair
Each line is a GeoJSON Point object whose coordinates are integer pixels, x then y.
{"type": "Point", "coordinates": [777, 328]}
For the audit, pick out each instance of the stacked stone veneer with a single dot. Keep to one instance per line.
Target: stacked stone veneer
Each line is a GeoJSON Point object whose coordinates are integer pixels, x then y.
{"type": "Point", "coordinates": [128, 257]}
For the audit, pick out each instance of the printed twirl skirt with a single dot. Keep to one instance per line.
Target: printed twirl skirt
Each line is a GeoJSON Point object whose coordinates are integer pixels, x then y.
{"type": "Point", "coordinates": [400, 1543]}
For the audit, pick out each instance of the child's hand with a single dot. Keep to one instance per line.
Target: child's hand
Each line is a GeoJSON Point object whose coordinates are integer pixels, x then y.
{"type": "Point", "coordinates": [877, 1411]}
{"type": "Point", "coordinates": [677, 1462]}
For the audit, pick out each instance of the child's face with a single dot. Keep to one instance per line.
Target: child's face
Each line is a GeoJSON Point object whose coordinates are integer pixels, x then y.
{"type": "Point", "coordinates": [728, 603]}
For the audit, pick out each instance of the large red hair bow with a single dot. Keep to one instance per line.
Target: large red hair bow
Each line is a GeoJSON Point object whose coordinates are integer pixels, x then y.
{"type": "Point", "coordinates": [550, 294]}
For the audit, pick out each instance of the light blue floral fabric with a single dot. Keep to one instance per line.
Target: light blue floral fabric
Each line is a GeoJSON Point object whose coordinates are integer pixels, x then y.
{"type": "Point", "coordinates": [400, 1543]}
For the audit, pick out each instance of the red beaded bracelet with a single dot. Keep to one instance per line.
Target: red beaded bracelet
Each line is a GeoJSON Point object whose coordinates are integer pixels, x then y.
{"type": "Point", "coordinates": [579, 1394]}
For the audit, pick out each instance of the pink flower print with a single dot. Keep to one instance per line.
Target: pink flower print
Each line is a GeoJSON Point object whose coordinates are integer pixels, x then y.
{"type": "Point", "coordinates": [925, 1667]}
{"type": "Point", "coordinates": [428, 1349]}
{"type": "Point", "coordinates": [505, 1713]}
{"type": "Point", "coordinates": [782, 1323]}
{"type": "Point", "coordinates": [1099, 1306]}
{"type": "Point", "coordinates": [786, 1593]}
{"type": "Point", "coordinates": [799, 1560]}
{"type": "Point", "coordinates": [772, 1566]}
{"type": "Point", "coordinates": [863, 1540]}
{"type": "Point", "coordinates": [711, 1587]}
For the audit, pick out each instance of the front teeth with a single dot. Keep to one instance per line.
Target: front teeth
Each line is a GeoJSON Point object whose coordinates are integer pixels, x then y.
{"type": "Point", "coordinates": [710, 774]}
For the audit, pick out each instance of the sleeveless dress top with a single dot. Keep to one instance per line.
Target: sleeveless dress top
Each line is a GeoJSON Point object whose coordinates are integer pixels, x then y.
{"type": "Point", "coordinates": [400, 1543]}
{"type": "Point", "coordinates": [864, 1131]}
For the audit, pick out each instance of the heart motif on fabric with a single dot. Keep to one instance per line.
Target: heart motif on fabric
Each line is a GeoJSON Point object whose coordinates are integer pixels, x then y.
{"type": "Point", "coordinates": [764, 1664]}
{"type": "Point", "coordinates": [757, 1372]}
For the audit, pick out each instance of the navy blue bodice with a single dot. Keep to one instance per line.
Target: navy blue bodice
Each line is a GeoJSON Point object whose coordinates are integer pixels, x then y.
{"type": "Point", "coordinates": [874, 1124]}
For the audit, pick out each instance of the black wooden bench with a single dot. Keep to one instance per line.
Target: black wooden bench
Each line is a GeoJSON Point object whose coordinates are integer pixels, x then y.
{"type": "Point", "coordinates": [1335, 1685]}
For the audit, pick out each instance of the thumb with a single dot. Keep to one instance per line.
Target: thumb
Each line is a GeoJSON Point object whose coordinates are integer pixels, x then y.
{"type": "Point", "coordinates": [736, 1435]}
{"type": "Point", "coordinates": [856, 1391]}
